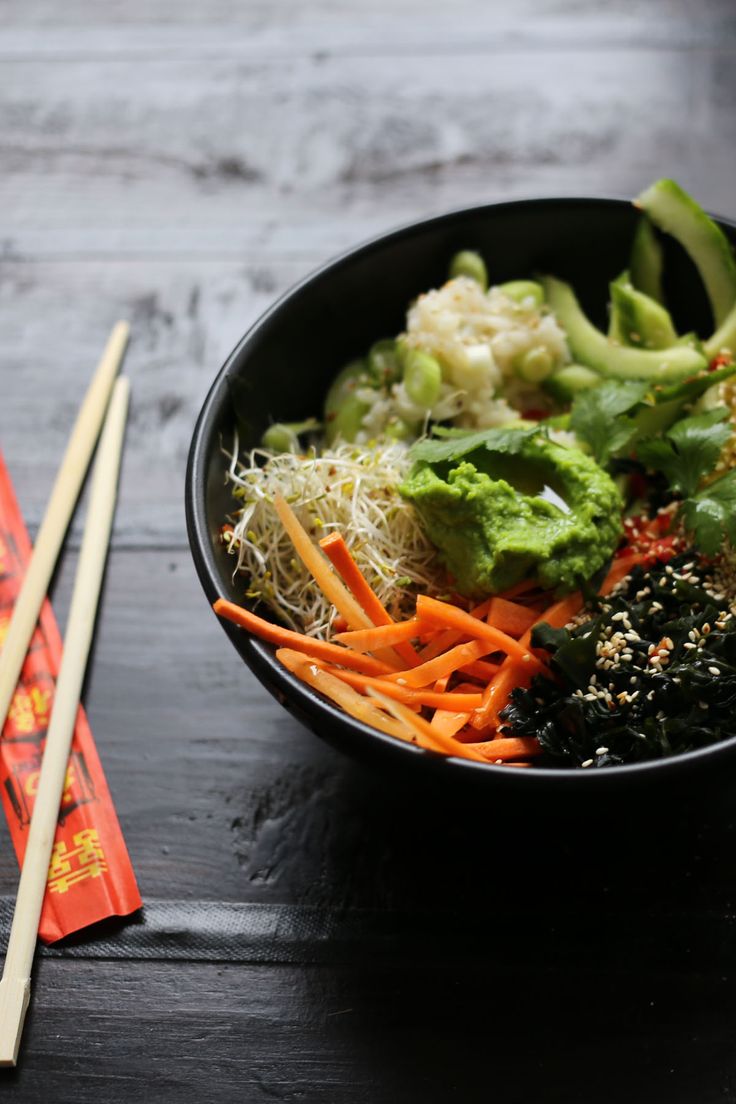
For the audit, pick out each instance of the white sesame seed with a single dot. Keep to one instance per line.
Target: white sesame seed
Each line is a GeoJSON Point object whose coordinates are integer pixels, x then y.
{"type": "Point", "coordinates": [703, 705]}
{"type": "Point", "coordinates": [601, 751]}
{"type": "Point", "coordinates": [587, 763]}
{"type": "Point", "coordinates": [714, 670]}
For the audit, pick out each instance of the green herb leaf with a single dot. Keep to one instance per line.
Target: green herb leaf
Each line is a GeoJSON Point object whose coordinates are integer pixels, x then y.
{"type": "Point", "coordinates": [599, 416]}
{"type": "Point", "coordinates": [710, 515]}
{"type": "Point", "coordinates": [509, 441]}
{"type": "Point", "coordinates": [689, 450]}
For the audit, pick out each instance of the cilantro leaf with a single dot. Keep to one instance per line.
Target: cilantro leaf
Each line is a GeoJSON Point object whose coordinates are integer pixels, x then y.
{"type": "Point", "coordinates": [710, 515]}
{"type": "Point", "coordinates": [599, 417]}
{"type": "Point", "coordinates": [689, 450]}
{"type": "Point", "coordinates": [449, 448]}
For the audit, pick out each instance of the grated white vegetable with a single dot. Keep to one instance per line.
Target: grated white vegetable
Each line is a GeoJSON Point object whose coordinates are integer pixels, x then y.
{"type": "Point", "coordinates": [349, 488]}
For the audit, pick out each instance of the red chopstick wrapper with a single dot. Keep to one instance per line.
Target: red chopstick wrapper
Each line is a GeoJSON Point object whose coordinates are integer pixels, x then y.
{"type": "Point", "coordinates": [90, 874]}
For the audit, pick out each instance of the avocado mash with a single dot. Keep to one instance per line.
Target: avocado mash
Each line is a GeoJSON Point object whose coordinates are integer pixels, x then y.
{"type": "Point", "coordinates": [516, 506]}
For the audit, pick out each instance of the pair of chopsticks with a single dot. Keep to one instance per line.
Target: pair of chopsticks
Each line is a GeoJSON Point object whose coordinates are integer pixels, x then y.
{"type": "Point", "coordinates": [104, 408]}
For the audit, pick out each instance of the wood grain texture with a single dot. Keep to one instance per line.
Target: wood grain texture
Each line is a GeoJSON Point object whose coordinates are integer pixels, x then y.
{"type": "Point", "coordinates": [311, 154]}
{"type": "Point", "coordinates": [360, 1035]}
{"type": "Point", "coordinates": [182, 164]}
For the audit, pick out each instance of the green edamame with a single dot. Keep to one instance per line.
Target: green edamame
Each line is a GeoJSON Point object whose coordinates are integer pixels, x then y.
{"type": "Point", "coordinates": [422, 378]}
{"type": "Point", "coordinates": [284, 436]}
{"type": "Point", "coordinates": [469, 263]}
{"type": "Point", "coordinates": [535, 364]}
{"type": "Point", "coordinates": [344, 411]}
{"type": "Point", "coordinates": [384, 362]}
{"type": "Point", "coordinates": [521, 290]}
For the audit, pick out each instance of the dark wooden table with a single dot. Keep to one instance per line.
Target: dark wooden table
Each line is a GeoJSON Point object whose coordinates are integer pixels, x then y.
{"type": "Point", "coordinates": [313, 932]}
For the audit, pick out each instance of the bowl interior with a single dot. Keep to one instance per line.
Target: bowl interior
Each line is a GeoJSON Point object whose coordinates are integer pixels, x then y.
{"type": "Point", "coordinates": [281, 369]}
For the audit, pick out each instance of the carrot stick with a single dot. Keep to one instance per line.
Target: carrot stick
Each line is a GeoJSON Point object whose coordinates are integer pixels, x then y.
{"type": "Point", "coordinates": [426, 735]}
{"type": "Point", "coordinates": [480, 669]}
{"type": "Point", "coordinates": [448, 700]}
{"type": "Point", "coordinates": [519, 588]}
{"type": "Point", "coordinates": [319, 649]}
{"type": "Point", "coordinates": [315, 563]}
{"type": "Point", "coordinates": [620, 568]}
{"type": "Point", "coordinates": [447, 638]}
{"type": "Point", "coordinates": [441, 613]}
{"type": "Point", "coordinates": [509, 747]}
{"type": "Point", "coordinates": [365, 640]}
{"type": "Point", "coordinates": [338, 691]}
{"type": "Point", "coordinates": [559, 614]}
{"type": "Point", "coordinates": [443, 665]}
{"type": "Point", "coordinates": [338, 553]}
{"type": "Point", "coordinates": [441, 684]}
{"type": "Point", "coordinates": [510, 617]}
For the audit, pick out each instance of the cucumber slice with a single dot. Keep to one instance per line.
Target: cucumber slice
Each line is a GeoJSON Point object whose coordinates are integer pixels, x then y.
{"type": "Point", "coordinates": [646, 261]}
{"type": "Point", "coordinates": [569, 381]}
{"type": "Point", "coordinates": [724, 339]}
{"type": "Point", "coordinates": [675, 212]}
{"type": "Point", "coordinates": [593, 349]}
{"type": "Point", "coordinates": [637, 319]}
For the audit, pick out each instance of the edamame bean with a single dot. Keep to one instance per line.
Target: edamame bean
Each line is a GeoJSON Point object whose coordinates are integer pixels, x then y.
{"type": "Point", "coordinates": [422, 378]}
{"type": "Point", "coordinates": [284, 436]}
{"type": "Point", "coordinates": [469, 263]}
{"type": "Point", "coordinates": [535, 364]}
{"type": "Point", "coordinates": [384, 362]}
{"type": "Point", "coordinates": [521, 290]}
{"type": "Point", "coordinates": [279, 438]}
{"type": "Point", "coordinates": [399, 430]}
{"type": "Point", "coordinates": [344, 411]}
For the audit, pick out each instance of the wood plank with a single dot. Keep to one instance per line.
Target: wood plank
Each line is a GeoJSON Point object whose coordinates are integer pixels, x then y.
{"type": "Point", "coordinates": [185, 316]}
{"type": "Point", "coordinates": [361, 1035]}
{"type": "Point", "coordinates": [287, 27]}
{"type": "Point", "coordinates": [306, 156]}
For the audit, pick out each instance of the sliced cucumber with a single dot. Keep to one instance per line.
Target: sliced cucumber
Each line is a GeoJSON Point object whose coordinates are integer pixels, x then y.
{"type": "Point", "coordinates": [724, 339]}
{"type": "Point", "coordinates": [646, 261]}
{"type": "Point", "coordinates": [675, 212]}
{"type": "Point", "coordinates": [637, 319]}
{"type": "Point", "coordinates": [593, 349]}
{"type": "Point", "coordinates": [569, 381]}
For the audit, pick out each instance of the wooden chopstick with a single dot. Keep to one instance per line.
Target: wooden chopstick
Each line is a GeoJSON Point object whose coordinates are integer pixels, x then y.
{"type": "Point", "coordinates": [58, 512]}
{"type": "Point", "coordinates": [15, 986]}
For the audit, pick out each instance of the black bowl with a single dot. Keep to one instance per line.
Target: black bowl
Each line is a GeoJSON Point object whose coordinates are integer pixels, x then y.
{"type": "Point", "coordinates": [282, 367]}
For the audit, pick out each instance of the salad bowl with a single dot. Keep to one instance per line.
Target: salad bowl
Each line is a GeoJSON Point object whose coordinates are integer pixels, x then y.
{"type": "Point", "coordinates": [282, 368]}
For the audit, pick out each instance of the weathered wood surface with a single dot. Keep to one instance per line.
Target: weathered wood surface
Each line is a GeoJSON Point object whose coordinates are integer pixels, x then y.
{"type": "Point", "coordinates": [182, 164]}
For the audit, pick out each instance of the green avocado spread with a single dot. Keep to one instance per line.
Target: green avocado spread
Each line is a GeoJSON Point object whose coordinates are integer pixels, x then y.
{"type": "Point", "coordinates": [514, 507]}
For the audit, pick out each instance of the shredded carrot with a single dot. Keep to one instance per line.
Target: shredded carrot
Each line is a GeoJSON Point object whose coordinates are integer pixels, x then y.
{"type": "Point", "coordinates": [510, 617]}
{"type": "Point", "coordinates": [338, 691]}
{"type": "Point", "coordinates": [509, 747]}
{"type": "Point", "coordinates": [443, 665]}
{"type": "Point", "coordinates": [425, 734]}
{"type": "Point", "coordinates": [444, 639]}
{"type": "Point", "coordinates": [620, 568]}
{"type": "Point", "coordinates": [315, 562]}
{"type": "Point", "coordinates": [441, 684]}
{"type": "Point", "coordinates": [519, 588]}
{"type": "Point", "coordinates": [513, 673]}
{"type": "Point", "coordinates": [559, 614]}
{"type": "Point", "coordinates": [365, 640]}
{"type": "Point", "coordinates": [481, 669]}
{"type": "Point", "coordinates": [441, 613]}
{"type": "Point", "coordinates": [338, 553]}
{"type": "Point", "coordinates": [318, 649]}
{"type": "Point", "coordinates": [449, 700]}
